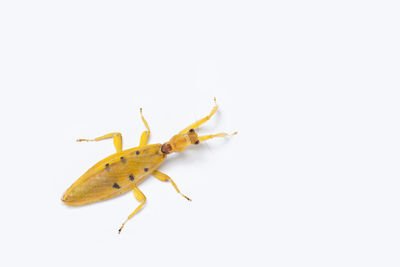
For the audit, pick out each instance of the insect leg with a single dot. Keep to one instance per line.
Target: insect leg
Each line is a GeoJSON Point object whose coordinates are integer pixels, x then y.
{"type": "Point", "coordinates": [146, 134]}
{"type": "Point", "coordinates": [117, 138]}
{"type": "Point", "coordinates": [165, 178]}
{"type": "Point", "coordinates": [210, 136]}
{"type": "Point", "coordinates": [201, 121]}
{"type": "Point", "coordinates": [141, 198]}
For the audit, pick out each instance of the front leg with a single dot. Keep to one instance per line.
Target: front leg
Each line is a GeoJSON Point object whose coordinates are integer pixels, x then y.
{"type": "Point", "coordinates": [117, 138]}
{"type": "Point", "coordinates": [165, 178]}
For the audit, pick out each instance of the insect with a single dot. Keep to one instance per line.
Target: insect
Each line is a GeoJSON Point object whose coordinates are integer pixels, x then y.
{"type": "Point", "coordinates": [126, 169]}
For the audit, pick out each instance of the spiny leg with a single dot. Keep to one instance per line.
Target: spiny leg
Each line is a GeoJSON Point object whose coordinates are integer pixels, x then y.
{"type": "Point", "coordinates": [117, 138]}
{"type": "Point", "coordinates": [201, 121]}
{"type": "Point", "coordinates": [210, 136]}
{"type": "Point", "coordinates": [165, 178]}
{"type": "Point", "coordinates": [140, 197]}
{"type": "Point", "coordinates": [146, 134]}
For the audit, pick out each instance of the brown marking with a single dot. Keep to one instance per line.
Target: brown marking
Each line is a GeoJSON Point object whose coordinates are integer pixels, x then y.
{"type": "Point", "coordinates": [166, 148]}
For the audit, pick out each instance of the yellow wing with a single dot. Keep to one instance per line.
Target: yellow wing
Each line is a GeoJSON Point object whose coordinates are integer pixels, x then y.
{"type": "Point", "coordinates": [114, 175]}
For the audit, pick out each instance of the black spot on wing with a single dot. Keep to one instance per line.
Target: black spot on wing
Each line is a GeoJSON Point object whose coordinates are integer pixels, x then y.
{"type": "Point", "coordinates": [137, 152]}
{"type": "Point", "coordinates": [123, 160]}
{"type": "Point", "coordinates": [146, 169]}
{"type": "Point", "coordinates": [131, 177]}
{"type": "Point", "coordinates": [115, 185]}
{"type": "Point", "coordinates": [107, 167]}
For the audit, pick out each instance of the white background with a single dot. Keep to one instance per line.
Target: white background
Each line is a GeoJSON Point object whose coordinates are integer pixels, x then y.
{"type": "Point", "coordinates": [312, 87]}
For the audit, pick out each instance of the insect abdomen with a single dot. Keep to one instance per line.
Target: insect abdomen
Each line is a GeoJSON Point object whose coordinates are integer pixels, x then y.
{"type": "Point", "coordinates": [114, 175]}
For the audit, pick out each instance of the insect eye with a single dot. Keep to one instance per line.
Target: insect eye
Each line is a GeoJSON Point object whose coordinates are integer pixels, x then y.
{"type": "Point", "coordinates": [191, 130]}
{"type": "Point", "coordinates": [197, 142]}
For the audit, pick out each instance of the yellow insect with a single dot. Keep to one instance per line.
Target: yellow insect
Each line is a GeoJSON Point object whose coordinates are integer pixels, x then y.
{"type": "Point", "coordinates": [125, 169]}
